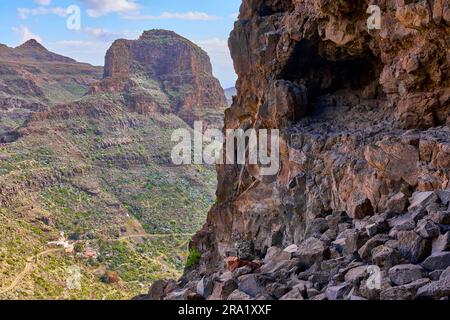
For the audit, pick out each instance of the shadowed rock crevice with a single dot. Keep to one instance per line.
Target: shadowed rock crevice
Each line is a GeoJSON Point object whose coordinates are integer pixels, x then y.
{"type": "Point", "coordinates": [268, 8]}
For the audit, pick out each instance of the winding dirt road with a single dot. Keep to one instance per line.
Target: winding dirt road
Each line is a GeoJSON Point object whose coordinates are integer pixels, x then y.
{"type": "Point", "coordinates": [32, 261]}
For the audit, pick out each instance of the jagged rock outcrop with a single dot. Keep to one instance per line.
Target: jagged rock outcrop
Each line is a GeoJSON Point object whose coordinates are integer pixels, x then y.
{"type": "Point", "coordinates": [176, 72]}
{"type": "Point", "coordinates": [364, 179]}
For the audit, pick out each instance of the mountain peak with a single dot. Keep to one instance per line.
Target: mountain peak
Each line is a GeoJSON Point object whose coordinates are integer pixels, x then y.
{"type": "Point", "coordinates": [32, 44]}
{"type": "Point", "coordinates": [162, 36]}
{"type": "Point", "coordinates": [182, 70]}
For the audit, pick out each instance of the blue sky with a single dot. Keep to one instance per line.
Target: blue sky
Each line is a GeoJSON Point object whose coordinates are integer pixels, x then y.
{"type": "Point", "coordinates": [205, 22]}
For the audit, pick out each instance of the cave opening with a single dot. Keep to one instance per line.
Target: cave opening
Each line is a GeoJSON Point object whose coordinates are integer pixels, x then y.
{"type": "Point", "coordinates": [269, 8]}
{"type": "Point", "coordinates": [324, 73]}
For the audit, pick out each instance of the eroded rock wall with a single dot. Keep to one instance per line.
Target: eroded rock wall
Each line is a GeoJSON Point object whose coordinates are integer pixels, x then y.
{"type": "Point", "coordinates": [364, 120]}
{"type": "Point", "coordinates": [177, 67]}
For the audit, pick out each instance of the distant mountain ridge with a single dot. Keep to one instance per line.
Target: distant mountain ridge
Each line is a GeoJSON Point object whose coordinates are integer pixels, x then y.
{"type": "Point", "coordinates": [31, 50]}
{"type": "Point", "coordinates": [33, 78]}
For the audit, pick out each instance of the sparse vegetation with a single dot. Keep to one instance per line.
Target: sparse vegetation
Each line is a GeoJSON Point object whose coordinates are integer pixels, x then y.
{"type": "Point", "coordinates": [193, 257]}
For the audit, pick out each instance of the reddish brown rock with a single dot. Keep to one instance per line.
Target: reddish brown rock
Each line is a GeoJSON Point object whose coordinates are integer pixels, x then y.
{"type": "Point", "coordinates": [234, 263]}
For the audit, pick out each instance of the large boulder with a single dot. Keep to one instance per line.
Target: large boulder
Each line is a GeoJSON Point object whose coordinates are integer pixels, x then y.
{"type": "Point", "coordinates": [437, 261]}
{"type": "Point", "coordinates": [385, 256]}
{"type": "Point", "coordinates": [413, 247]}
{"type": "Point", "coordinates": [435, 290]}
{"type": "Point", "coordinates": [338, 292]}
{"type": "Point", "coordinates": [403, 292]}
{"type": "Point", "coordinates": [405, 273]}
{"type": "Point", "coordinates": [238, 296]}
{"type": "Point", "coordinates": [427, 229]}
{"type": "Point", "coordinates": [312, 250]}
{"type": "Point", "coordinates": [422, 199]}
{"type": "Point", "coordinates": [365, 252]}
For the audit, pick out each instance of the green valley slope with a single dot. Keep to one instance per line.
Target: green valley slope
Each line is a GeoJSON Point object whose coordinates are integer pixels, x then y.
{"type": "Point", "coordinates": [99, 170]}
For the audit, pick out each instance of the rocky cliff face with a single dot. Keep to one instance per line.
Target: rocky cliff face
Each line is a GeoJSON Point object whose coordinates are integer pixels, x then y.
{"type": "Point", "coordinates": [179, 69]}
{"type": "Point", "coordinates": [34, 79]}
{"type": "Point", "coordinates": [365, 157]}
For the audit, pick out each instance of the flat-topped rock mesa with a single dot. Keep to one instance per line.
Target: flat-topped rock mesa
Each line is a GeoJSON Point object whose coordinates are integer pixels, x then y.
{"type": "Point", "coordinates": [163, 72]}
{"type": "Point", "coordinates": [32, 74]}
{"type": "Point", "coordinates": [33, 79]}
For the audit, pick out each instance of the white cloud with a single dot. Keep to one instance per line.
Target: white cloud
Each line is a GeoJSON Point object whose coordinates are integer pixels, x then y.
{"type": "Point", "coordinates": [219, 54]}
{"type": "Point", "coordinates": [92, 50]}
{"type": "Point", "coordinates": [43, 2]}
{"type": "Point", "coordinates": [25, 34]}
{"type": "Point", "coordinates": [106, 35]}
{"type": "Point", "coordinates": [234, 15]}
{"type": "Point", "coordinates": [97, 32]}
{"type": "Point", "coordinates": [129, 9]}
{"type": "Point", "coordinates": [24, 13]}
{"type": "Point", "coordinates": [190, 15]}
{"type": "Point", "coordinates": [80, 43]}
{"type": "Point", "coordinates": [98, 8]}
